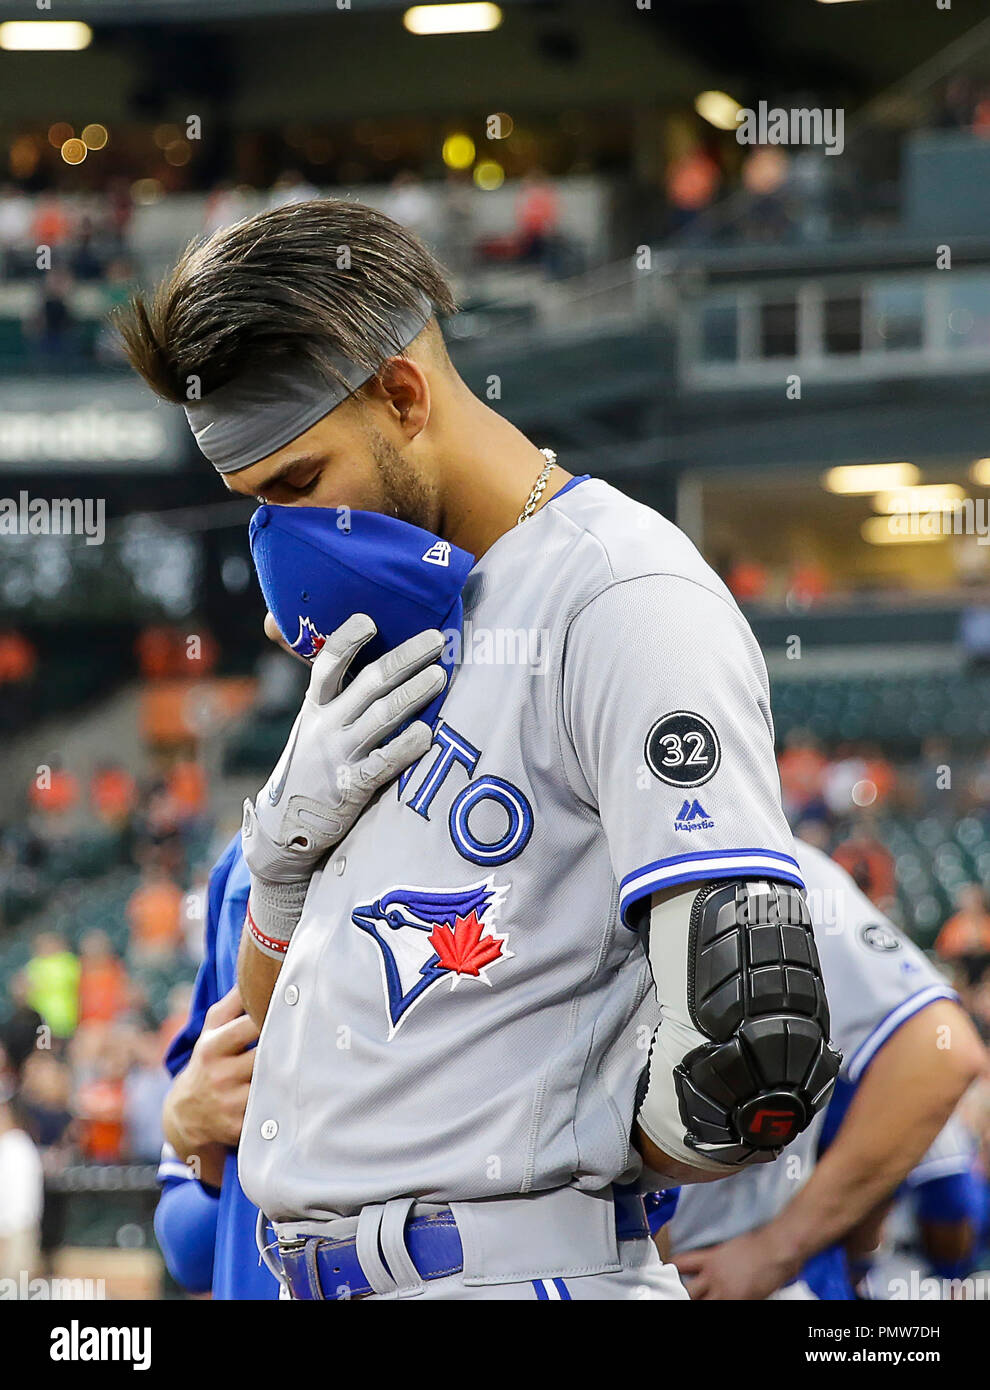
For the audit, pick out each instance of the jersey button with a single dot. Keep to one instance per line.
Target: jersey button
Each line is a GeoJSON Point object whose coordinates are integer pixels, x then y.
{"type": "Point", "coordinates": [269, 1129]}
{"type": "Point", "coordinates": [292, 994]}
{"type": "Point", "coordinates": [339, 865]}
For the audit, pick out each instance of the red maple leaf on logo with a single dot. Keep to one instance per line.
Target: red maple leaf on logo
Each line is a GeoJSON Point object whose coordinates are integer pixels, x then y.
{"type": "Point", "coordinates": [463, 949]}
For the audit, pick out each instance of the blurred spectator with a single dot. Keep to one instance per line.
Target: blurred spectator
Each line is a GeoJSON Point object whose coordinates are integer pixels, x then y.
{"type": "Point", "coordinates": [119, 211]}
{"type": "Point", "coordinates": [84, 262]}
{"type": "Point", "coordinates": [879, 775]}
{"type": "Point", "coordinates": [53, 791]}
{"type": "Point", "coordinates": [186, 783]}
{"type": "Point", "coordinates": [145, 1088]}
{"type": "Point", "coordinates": [537, 218]}
{"type": "Point", "coordinates": [52, 325]}
{"type": "Point", "coordinates": [869, 863]}
{"type": "Point", "coordinates": [747, 580]}
{"type": "Point", "coordinates": [18, 658]}
{"type": "Point", "coordinates": [103, 982]}
{"type": "Point", "coordinates": [965, 937]}
{"type": "Point", "coordinates": [21, 1195]}
{"type": "Point", "coordinates": [45, 1101]}
{"type": "Point", "coordinates": [112, 794]}
{"type": "Point", "coordinates": [50, 225]}
{"type": "Point", "coordinates": [53, 983]}
{"type": "Point", "coordinates": [20, 1032]}
{"type": "Point", "coordinates": [154, 916]}
{"type": "Point", "coordinates": [802, 767]}
{"type": "Point", "coordinates": [99, 1101]}
{"type": "Point", "coordinates": [808, 584]}
{"type": "Point", "coordinates": [157, 652]}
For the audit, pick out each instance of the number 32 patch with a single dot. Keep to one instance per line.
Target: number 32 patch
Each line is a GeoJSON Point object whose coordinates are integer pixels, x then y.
{"type": "Point", "coordinates": [682, 749]}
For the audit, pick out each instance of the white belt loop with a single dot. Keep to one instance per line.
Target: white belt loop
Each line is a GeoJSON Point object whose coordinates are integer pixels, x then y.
{"type": "Point", "coordinates": [366, 1248]}
{"type": "Point", "coordinates": [393, 1242]}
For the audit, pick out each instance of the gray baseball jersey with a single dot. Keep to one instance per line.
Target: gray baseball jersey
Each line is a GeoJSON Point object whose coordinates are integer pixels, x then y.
{"type": "Point", "coordinates": [875, 980]}
{"type": "Point", "coordinates": [466, 1004]}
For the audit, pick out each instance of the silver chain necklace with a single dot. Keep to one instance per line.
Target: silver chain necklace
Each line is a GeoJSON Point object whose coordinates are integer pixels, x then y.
{"type": "Point", "coordinates": [539, 487]}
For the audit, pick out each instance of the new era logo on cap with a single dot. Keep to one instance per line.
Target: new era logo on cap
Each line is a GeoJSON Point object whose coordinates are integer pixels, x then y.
{"type": "Point", "coordinates": [438, 554]}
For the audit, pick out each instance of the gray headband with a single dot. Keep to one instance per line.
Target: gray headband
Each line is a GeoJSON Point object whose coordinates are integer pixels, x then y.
{"type": "Point", "coordinates": [252, 416]}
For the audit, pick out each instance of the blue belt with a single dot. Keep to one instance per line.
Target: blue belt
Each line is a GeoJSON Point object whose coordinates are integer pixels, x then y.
{"type": "Point", "coordinates": [322, 1269]}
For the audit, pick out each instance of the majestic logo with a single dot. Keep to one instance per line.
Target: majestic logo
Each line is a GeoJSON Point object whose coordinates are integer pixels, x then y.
{"type": "Point", "coordinates": [310, 641]}
{"type": "Point", "coordinates": [426, 936]}
{"type": "Point", "coordinates": [693, 816]}
{"type": "Point", "coordinates": [438, 554]}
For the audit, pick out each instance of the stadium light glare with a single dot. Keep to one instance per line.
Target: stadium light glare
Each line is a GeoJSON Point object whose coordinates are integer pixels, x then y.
{"type": "Point", "coordinates": [489, 175]}
{"type": "Point", "coordinates": [458, 151]}
{"type": "Point", "coordinates": [718, 109]}
{"type": "Point", "coordinates": [45, 35]}
{"type": "Point", "coordinates": [852, 478]}
{"type": "Point", "coordinates": [929, 497]}
{"type": "Point", "coordinates": [884, 530]}
{"type": "Point", "coordinates": [980, 472]}
{"type": "Point", "coordinates": [478, 18]}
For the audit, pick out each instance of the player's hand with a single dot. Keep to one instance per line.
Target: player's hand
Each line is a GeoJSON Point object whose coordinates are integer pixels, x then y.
{"type": "Point", "coordinates": [333, 762]}
{"type": "Point", "coordinates": [209, 1096]}
{"type": "Point", "coordinates": [747, 1267]}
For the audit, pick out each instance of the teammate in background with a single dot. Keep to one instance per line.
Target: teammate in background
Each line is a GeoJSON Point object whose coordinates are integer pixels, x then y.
{"type": "Point", "coordinates": [205, 1224]}
{"type": "Point", "coordinates": [931, 1227]}
{"type": "Point", "coordinates": [909, 1051]}
{"type": "Point", "coordinates": [508, 954]}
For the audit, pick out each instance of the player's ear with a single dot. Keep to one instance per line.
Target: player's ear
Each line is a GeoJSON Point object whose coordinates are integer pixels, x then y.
{"type": "Point", "coordinates": [403, 387]}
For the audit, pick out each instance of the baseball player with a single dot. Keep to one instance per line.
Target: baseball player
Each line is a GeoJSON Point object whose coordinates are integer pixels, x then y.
{"type": "Point", "coordinates": [932, 1226]}
{"type": "Point", "coordinates": [204, 1223]}
{"type": "Point", "coordinates": [513, 953]}
{"type": "Point", "coordinates": [909, 1052]}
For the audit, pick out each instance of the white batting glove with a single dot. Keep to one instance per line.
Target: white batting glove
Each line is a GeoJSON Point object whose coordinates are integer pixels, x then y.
{"type": "Point", "coordinates": [333, 762]}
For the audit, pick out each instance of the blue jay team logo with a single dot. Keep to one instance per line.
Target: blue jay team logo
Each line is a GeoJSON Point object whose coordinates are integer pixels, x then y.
{"type": "Point", "coordinates": [310, 641]}
{"type": "Point", "coordinates": [426, 936]}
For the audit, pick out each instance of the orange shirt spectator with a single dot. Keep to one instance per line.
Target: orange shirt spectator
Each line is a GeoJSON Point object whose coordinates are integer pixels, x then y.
{"type": "Point", "coordinates": [537, 210]}
{"type": "Point", "coordinates": [186, 784]}
{"type": "Point", "coordinates": [802, 768]}
{"type": "Point", "coordinates": [880, 772]}
{"type": "Point", "coordinates": [747, 580]}
{"type": "Point", "coordinates": [54, 792]}
{"type": "Point", "coordinates": [112, 793]}
{"type": "Point", "coordinates": [158, 653]}
{"type": "Point", "coordinates": [967, 931]}
{"type": "Point", "coordinates": [809, 583]}
{"type": "Point", "coordinates": [18, 658]}
{"type": "Point", "coordinates": [103, 982]}
{"type": "Point", "coordinates": [154, 915]}
{"type": "Point", "coordinates": [100, 1108]}
{"type": "Point", "coordinates": [51, 224]}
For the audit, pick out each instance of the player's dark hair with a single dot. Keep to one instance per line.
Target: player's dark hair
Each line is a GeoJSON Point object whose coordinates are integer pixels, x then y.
{"type": "Point", "coordinates": [304, 282]}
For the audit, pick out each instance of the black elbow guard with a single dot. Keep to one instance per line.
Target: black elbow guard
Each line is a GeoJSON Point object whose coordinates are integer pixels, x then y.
{"type": "Point", "coordinates": [755, 989]}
